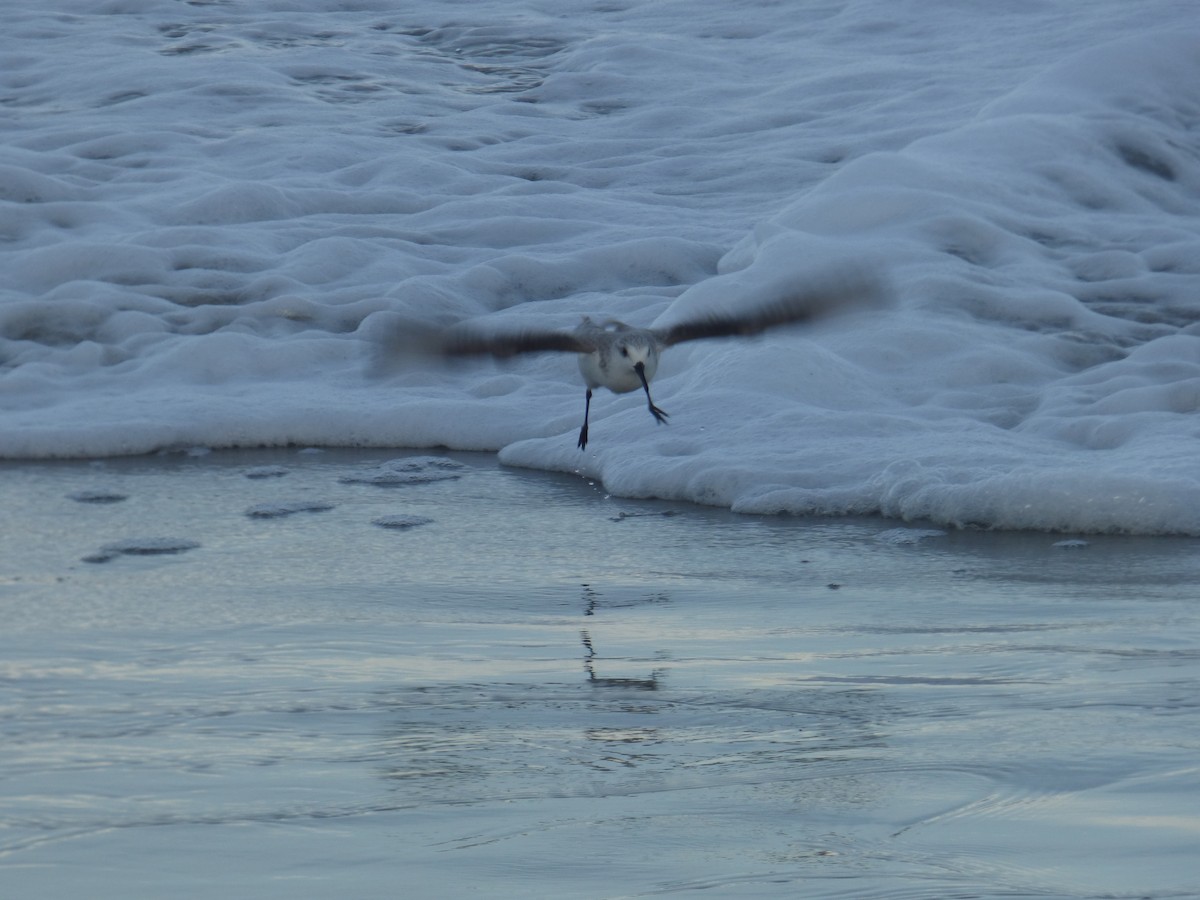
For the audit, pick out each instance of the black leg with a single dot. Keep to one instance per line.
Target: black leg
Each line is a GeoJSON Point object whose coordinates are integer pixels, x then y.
{"type": "Point", "coordinates": [659, 416]}
{"type": "Point", "coordinates": [587, 406]}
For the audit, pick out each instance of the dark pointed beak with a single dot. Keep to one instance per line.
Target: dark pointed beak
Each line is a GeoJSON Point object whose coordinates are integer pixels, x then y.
{"type": "Point", "coordinates": [659, 416]}
{"type": "Point", "coordinates": [640, 368]}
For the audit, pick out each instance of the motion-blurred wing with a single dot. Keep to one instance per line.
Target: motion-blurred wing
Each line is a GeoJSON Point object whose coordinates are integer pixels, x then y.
{"type": "Point", "coordinates": [806, 305]}
{"type": "Point", "coordinates": [471, 340]}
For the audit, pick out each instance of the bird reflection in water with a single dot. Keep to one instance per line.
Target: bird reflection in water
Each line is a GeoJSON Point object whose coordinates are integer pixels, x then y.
{"type": "Point", "coordinates": [591, 603]}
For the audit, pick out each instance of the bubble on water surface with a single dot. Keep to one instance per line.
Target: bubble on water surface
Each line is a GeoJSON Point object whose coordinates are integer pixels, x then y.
{"type": "Point", "coordinates": [401, 521]}
{"type": "Point", "coordinates": [147, 546]}
{"type": "Point", "coordinates": [280, 510]}
{"type": "Point", "coordinates": [97, 495]}
{"type": "Point", "coordinates": [411, 470]}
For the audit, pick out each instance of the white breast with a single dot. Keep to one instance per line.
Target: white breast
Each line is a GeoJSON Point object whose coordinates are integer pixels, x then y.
{"type": "Point", "coordinates": [614, 371]}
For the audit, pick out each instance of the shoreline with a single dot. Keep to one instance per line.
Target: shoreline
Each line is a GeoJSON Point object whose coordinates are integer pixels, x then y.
{"type": "Point", "coordinates": [518, 667]}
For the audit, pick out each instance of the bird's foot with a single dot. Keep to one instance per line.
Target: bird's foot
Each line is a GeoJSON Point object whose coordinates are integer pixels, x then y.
{"type": "Point", "coordinates": [659, 416]}
{"type": "Point", "coordinates": [583, 437]}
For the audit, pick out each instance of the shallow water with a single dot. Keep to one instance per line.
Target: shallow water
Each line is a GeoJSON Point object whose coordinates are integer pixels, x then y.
{"type": "Point", "coordinates": [546, 691]}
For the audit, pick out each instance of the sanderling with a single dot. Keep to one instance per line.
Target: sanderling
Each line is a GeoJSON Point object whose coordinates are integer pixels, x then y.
{"type": "Point", "coordinates": [624, 358]}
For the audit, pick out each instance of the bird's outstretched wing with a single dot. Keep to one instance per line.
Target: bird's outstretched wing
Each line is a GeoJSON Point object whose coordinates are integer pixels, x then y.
{"type": "Point", "coordinates": [405, 344]}
{"type": "Point", "coordinates": [806, 305]}
{"type": "Point", "coordinates": [468, 339]}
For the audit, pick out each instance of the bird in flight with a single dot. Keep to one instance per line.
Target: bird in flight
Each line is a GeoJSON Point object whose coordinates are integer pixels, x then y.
{"type": "Point", "coordinates": [624, 358]}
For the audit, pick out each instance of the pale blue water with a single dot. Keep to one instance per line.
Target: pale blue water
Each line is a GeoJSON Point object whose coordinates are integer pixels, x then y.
{"type": "Point", "coordinates": [544, 691]}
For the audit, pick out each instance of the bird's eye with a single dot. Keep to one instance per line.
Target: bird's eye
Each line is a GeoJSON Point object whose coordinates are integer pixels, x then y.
{"type": "Point", "coordinates": [624, 351]}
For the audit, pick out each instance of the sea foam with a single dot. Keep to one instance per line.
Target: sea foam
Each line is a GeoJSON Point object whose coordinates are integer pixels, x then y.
{"type": "Point", "coordinates": [211, 216]}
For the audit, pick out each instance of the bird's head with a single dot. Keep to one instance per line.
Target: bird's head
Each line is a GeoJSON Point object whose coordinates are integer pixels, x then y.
{"type": "Point", "coordinates": [639, 355]}
{"type": "Point", "coordinates": [633, 353]}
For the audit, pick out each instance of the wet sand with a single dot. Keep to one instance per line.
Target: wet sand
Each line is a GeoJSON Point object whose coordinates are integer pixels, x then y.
{"type": "Point", "coordinates": [290, 674]}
